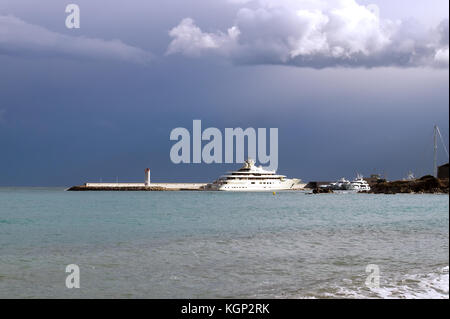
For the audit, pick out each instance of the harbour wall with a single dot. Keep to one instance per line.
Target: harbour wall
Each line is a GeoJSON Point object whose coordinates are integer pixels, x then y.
{"type": "Point", "coordinates": [137, 187]}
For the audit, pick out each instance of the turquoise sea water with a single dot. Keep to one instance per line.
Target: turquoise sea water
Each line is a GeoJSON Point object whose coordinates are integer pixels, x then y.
{"type": "Point", "coordinates": [220, 244]}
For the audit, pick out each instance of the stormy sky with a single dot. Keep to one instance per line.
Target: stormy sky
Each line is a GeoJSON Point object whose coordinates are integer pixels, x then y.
{"type": "Point", "coordinates": [352, 86]}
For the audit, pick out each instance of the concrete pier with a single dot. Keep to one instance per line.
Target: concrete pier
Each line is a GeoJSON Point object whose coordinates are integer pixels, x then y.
{"type": "Point", "coordinates": [138, 187]}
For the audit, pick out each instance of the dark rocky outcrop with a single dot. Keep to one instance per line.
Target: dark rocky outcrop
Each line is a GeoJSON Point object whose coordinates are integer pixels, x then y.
{"type": "Point", "coordinates": [322, 190]}
{"type": "Point", "coordinates": [426, 184]}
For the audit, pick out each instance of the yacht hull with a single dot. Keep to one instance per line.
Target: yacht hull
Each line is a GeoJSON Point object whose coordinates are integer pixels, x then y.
{"type": "Point", "coordinates": [247, 187]}
{"type": "Point", "coordinates": [250, 178]}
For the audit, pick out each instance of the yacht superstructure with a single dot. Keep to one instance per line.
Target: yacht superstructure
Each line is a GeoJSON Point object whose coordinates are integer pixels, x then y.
{"type": "Point", "coordinates": [252, 178]}
{"type": "Point", "coordinates": [342, 184]}
{"type": "Point", "coordinates": [359, 184]}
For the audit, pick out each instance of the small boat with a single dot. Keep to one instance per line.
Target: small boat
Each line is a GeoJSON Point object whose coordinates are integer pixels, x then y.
{"type": "Point", "coordinates": [410, 176]}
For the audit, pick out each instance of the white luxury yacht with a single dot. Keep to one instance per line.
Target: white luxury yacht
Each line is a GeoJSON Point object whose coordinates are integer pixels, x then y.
{"type": "Point", "coordinates": [359, 184]}
{"type": "Point", "coordinates": [341, 184]}
{"type": "Point", "coordinates": [252, 178]}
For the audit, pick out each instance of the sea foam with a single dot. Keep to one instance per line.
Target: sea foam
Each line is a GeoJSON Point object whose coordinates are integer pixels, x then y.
{"type": "Point", "coordinates": [434, 285]}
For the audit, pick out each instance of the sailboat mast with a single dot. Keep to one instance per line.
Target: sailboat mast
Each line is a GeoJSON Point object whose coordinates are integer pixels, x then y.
{"type": "Point", "coordinates": [435, 152]}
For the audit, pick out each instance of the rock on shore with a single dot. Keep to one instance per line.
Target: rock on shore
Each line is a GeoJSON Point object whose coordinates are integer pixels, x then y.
{"type": "Point", "coordinates": [322, 190]}
{"type": "Point", "coordinates": [426, 184]}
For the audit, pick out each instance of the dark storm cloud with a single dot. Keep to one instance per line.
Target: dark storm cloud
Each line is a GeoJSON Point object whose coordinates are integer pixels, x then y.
{"type": "Point", "coordinates": [86, 116]}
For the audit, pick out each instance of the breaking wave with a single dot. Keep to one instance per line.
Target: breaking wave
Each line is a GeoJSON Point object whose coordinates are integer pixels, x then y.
{"type": "Point", "coordinates": [433, 285]}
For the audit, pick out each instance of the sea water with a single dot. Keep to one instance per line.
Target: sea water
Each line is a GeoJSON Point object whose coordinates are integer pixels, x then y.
{"type": "Point", "coordinates": [222, 244]}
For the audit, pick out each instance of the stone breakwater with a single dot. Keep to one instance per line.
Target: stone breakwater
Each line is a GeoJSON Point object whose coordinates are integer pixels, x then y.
{"type": "Point", "coordinates": [138, 187]}
{"type": "Point", "coordinates": [426, 184]}
{"type": "Point", "coordinates": [113, 188]}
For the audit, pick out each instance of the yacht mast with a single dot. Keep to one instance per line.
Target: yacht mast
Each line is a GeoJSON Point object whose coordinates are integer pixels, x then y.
{"type": "Point", "coordinates": [436, 133]}
{"type": "Point", "coordinates": [435, 151]}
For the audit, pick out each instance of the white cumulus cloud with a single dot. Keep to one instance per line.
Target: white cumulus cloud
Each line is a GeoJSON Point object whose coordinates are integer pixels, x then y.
{"type": "Point", "coordinates": [315, 33]}
{"type": "Point", "coordinates": [190, 40]}
{"type": "Point", "coordinates": [18, 37]}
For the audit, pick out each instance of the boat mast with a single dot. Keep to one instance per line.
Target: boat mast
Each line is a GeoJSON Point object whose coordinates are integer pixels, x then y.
{"type": "Point", "coordinates": [436, 132]}
{"type": "Point", "coordinates": [435, 151]}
